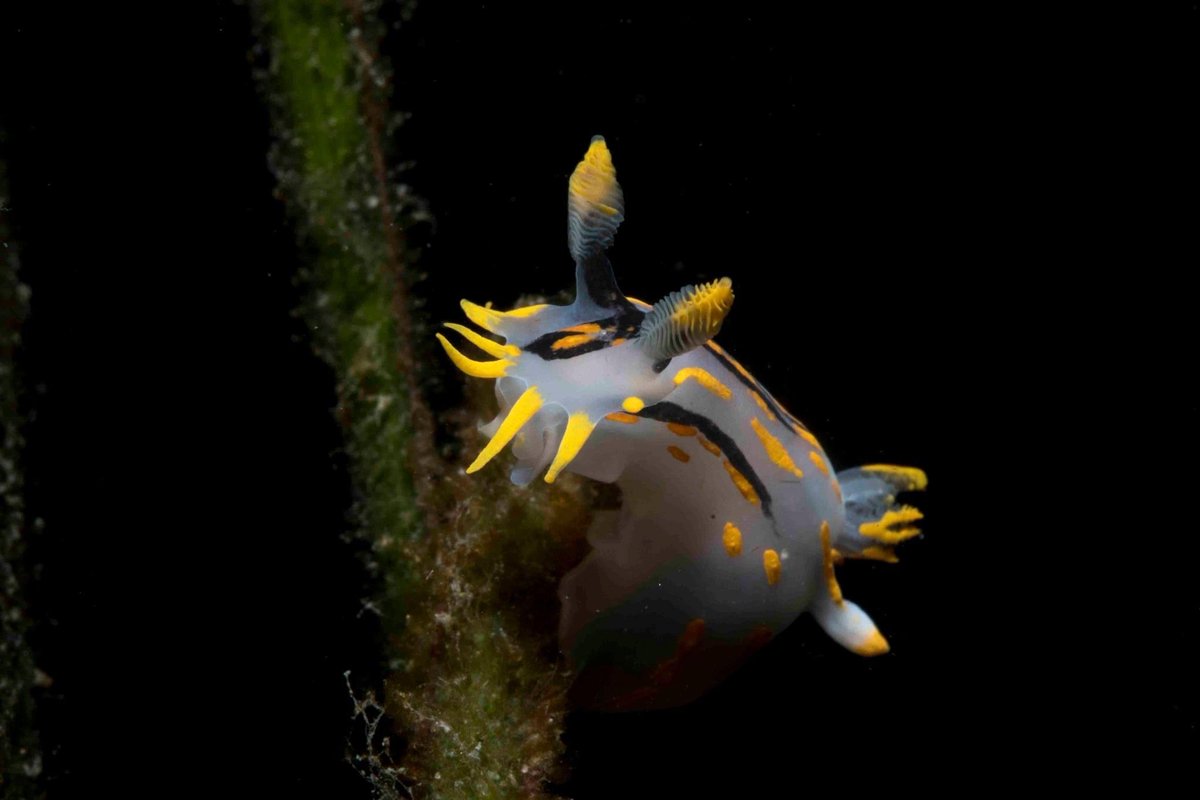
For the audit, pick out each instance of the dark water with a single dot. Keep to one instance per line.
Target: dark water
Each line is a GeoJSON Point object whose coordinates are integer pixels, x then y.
{"type": "Point", "coordinates": [906, 180]}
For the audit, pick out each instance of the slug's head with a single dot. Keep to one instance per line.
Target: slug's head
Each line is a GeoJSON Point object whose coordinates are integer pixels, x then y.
{"type": "Point", "coordinates": [562, 369]}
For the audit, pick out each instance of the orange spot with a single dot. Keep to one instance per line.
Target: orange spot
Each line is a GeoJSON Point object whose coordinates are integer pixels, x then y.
{"type": "Point", "coordinates": [732, 539]}
{"type": "Point", "coordinates": [815, 457]}
{"type": "Point", "coordinates": [705, 379]}
{"type": "Point", "coordinates": [739, 480]}
{"type": "Point", "coordinates": [835, 591]}
{"type": "Point", "coordinates": [709, 446]}
{"type": "Point", "coordinates": [678, 454]}
{"type": "Point", "coordinates": [837, 488]}
{"type": "Point", "coordinates": [808, 437]}
{"type": "Point", "coordinates": [763, 405]}
{"type": "Point", "coordinates": [775, 449]}
{"type": "Point", "coordinates": [746, 374]}
{"type": "Point", "coordinates": [571, 341]}
{"type": "Point", "coordinates": [621, 416]}
{"type": "Point", "coordinates": [772, 566]}
{"type": "Point", "coordinates": [587, 327]}
{"type": "Point", "coordinates": [618, 340]}
{"type": "Point", "coordinates": [681, 430]}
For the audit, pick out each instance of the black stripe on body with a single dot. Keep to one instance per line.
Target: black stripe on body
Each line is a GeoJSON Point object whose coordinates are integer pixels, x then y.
{"type": "Point", "coordinates": [790, 422]}
{"type": "Point", "coordinates": [623, 325]}
{"type": "Point", "coordinates": [670, 412]}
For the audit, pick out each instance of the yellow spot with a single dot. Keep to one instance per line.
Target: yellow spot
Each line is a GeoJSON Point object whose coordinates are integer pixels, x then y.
{"type": "Point", "coordinates": [838, 558]}
{"type": "Point", "coordinates": [642, 303]}
{"type": "Point", "coordinates": [775, 449]}
{"type": "Point", "coordinates": [681, 430]}
{"type": "Point", "coordinates": [705, 379]}
{"type": "Point", "coordinates": [732, 539]}
{"type": "Point", "coordinates": [710, 447]}
{"type": "Point", "coordinates": [808, 437]}
{"type": "Point", "coordinates": [893, 527]}
{"type": "Point", "coordinates": [617, 416]}
{"type": "Point", "coordinates": [579, 428]}
{"type": "Point", "coordinates": [739, 480]}
{"type": "Point", "coordinates": [835, 591]}
{"type": "Point", "coordinates": [574, 340]}
{"type": "Point", "coordinates": [758, 398]}
{"type": "Point", "coordinates": [837, 488]}
{"type": "Point", "coordinates": [633, 404]}
{"type": "Point", "coordinates": [493, 349]}
{"type": "Point", "coordinates": [772, 566]}
{"type": "Point", "coordinates": [911, 478]}
{"type": "Point", "coordinates": [526, 406]}
{"type": "Point", "coordinates": [876, 553]}
{"type": "Point", "coordinates": [815, 457]}
{"type": "Point", "coordinates": [587, 327]}
{"type": "Point", "coordinates": [678, 454]}
{"type": "Point", "coordinates": [873, 645]}
{"type": "Point", "coordinates": [476, 369]}
{"type": "Point", "coordinates": [618, 340]}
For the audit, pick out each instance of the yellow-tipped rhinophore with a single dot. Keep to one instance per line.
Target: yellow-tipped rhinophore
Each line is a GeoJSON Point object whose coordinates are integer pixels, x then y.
{"type": "Point", "coordinates": [476, 369]}
{"type": "Point", "coordinates": [594, 180]}
{"type": "Point", "coordinates": [579, 428]}
{"type": "Point", "coordinates": [686, 319]}
{"type": "Point", "coordinates": [595, 204]}
{"type": "Point", "coordinates": [493, 349]}
{"type": "Point", "coordinates": [526, 406]}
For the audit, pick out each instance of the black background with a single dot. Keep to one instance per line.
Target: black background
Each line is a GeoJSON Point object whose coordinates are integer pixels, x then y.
{"type": "Point", "coordinates": [929, 187]}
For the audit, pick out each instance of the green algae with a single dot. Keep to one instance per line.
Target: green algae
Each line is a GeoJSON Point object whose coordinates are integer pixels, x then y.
{"type": "Point", "coordinates": [467, 567]}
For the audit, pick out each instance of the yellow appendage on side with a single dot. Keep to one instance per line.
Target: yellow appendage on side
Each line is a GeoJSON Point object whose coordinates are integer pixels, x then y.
{"type": "Point", "coordinates": [579, 428]}
{"type": "Point", "coordinates": [526, 406]}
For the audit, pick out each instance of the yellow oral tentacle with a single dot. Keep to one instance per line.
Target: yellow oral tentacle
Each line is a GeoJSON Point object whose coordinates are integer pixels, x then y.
{"type": "Point", "coordinates": [476, 369]}
{"type": "Point", "coordinates": [493, 349]}
{"type": "Point", "coordinates": [485, 318]}
{"type": "Point", "coordinates": [526, 406]}
{"type": "Point", "coordinates": [579, 428]}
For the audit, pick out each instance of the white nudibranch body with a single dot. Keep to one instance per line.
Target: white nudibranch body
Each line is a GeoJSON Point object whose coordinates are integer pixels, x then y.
{"type": "Point", "coordinates": [732, 519]}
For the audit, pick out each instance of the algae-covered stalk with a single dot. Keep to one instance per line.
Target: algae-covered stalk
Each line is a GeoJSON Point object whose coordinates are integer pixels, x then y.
{"type": "Point", "coordinates": [466, 569]}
